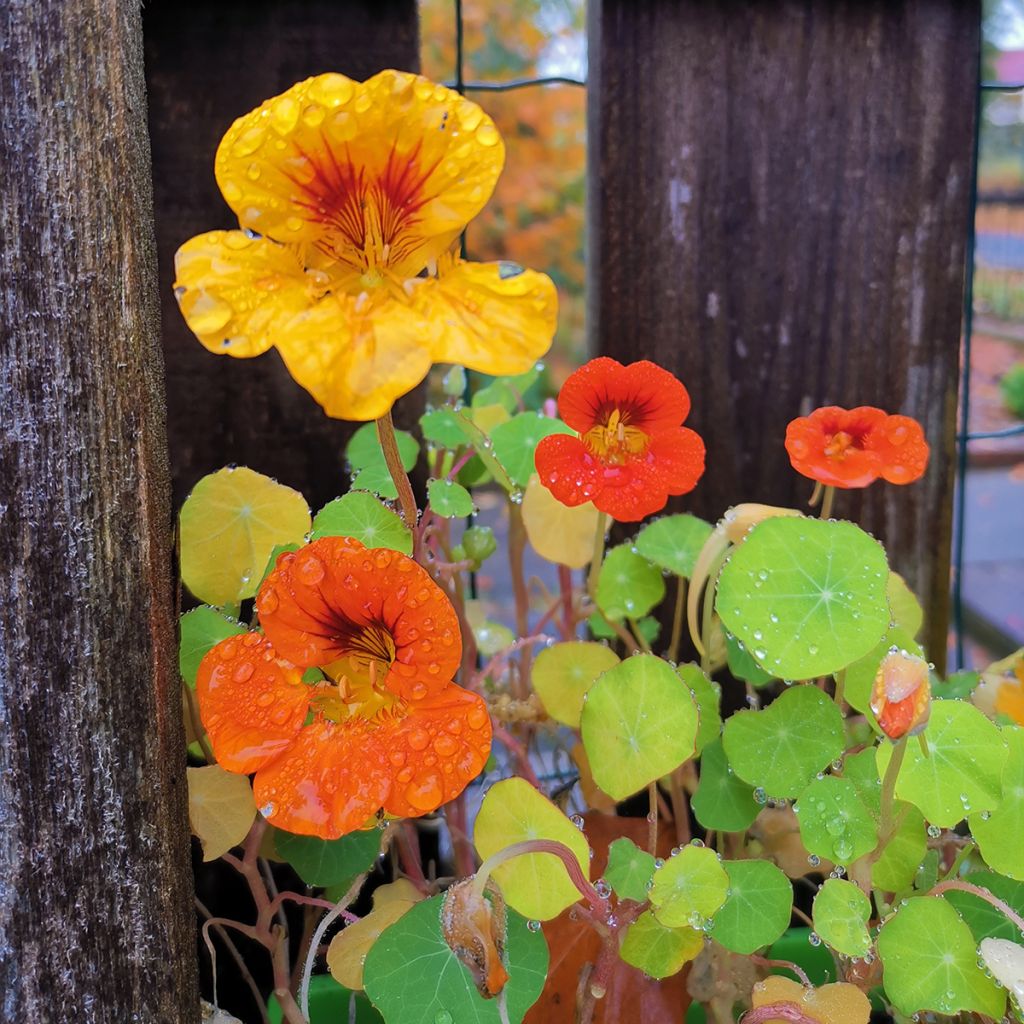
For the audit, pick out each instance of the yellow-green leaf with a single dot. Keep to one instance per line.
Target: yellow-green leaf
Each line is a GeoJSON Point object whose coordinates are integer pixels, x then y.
{"type": "Point", "coordinates": [563, 673]}
{"type": "Point", "coordinates": [221, 808]}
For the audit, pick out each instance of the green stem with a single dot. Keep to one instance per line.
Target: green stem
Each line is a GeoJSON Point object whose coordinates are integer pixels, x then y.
{"type": "Point", "coordinates": [677, 619]}
{"type": "Point", "coordinates": [598, 556]}
{"type": "Point", "coordinates": [652, 819]}
{"type": "Point", "coordinates": [393, 458]}
{"type": "Point", "coordinates": [889, 787]}
{"type": "Point", "coordinates": [840, 691]}
{"type": "Point", "coordinates": [954, 868]}
{"type": "Point", "coordinates": [826, 502]}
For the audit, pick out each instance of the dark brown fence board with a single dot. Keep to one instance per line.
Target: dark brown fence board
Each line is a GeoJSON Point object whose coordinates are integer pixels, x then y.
{"type": "Point", "coordinates": [779, 205]}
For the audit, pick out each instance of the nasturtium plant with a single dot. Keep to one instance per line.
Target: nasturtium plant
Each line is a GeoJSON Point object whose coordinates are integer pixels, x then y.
{"type": "Point", "coordinates": [860, 676]}
{"type": "Point", "coordinates": [689, 888]}
{"type": "Point", "coordinates": [628, 586]}
{"type": "Point", "coordinates": [658, 950]}
{"type": "Point", "coordinates": [673, 542]}
{"type": "Point", "coordinates": [905, 609]}
{"type": "Point", "coordinates": [200, 630]}
{"type": "Point", "coordinates": [898, 864]}
{"type": "Point", "coordinates": [984, 919]}
{"type": "Point", "coordinates": [516, 440]}
{"type": "Point", "coordinates": [834, 822]}
{"type": "Point", "coordinates": [563, 673]}
{"type": "Point", "coordinates": [841, 915]}
{"type": "Point", "coordinates": [708, 696]}
{"type": "Point", "coordinates": [556, 532]}
{"type": "Point", "coordinates": [723, 801]}
{"type": "Point", "coordinates": [807, 597]}
{"type": "Point", "coordinates": [999, 832]}
{"type": "Point", "coordinates": [221, 808]}
{"type": "Point", "coordinates": [359, 514]}
{"type": "Point", "coordinates": [757, 908]}
{"type": "Point", "coordinates": [450, 499]}
{"type": "Point", "coordinates": [639, 723]}
{"type": "Point", "coordinates": [629, 870]}
{"type": "Point", "coordinates": [366, 459]}
{"type": "Point", "coordinates": [329, 862]}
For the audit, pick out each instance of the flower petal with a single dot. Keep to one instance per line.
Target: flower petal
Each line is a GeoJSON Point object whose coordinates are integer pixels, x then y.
{"type": "Point", "coordinates": [495, 317]}
{"type": "Point", "coordinates": [329, 782]}
{"type": "Point", "coordinates": [385, 172]}
{"type": "Point", "coordinates": [436, 750]}
{"type": "Point", "coordinates": [356, 355]}
{"type": "Point", "coordinates": [807, 438]}
{"type": "Point", "coordinates": [317, 601]}
{"type": "Point", "coordinates": [655, 399]}
{"type": "Point", "coordinates": [567, 469]}
{"type": "Point", "coordinates": [901, 446]}
{"type": "Point", "coordinates": [252, 703]}
{"type": "Point", "coordinates": [237, 293]}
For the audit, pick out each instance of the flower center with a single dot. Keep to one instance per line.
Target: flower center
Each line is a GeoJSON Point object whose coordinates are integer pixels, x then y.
{"type": "Point", "coordinates": [839, 443]}
{"type": "Point", "coordinates": [615, 439]}
{"type": "Point", "coordinates": [360, 677]}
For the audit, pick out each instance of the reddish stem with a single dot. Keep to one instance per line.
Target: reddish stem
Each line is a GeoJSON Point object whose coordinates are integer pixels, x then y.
{"type": "Point", "coordinates": [787, 965]}
{"type": "Point", "coordinates": [777, 1011]}
{"type": "Point", "coordinates": [565, 588]}
{"type": "Point", "coordinates": [409, 855]}
{"type": "Point", "coordinates": [518, 750]}
{"type": "Point", "coordinates": [983, 894]}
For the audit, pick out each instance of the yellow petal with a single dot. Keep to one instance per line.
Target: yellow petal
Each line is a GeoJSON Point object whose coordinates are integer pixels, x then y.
{"type": "Point", "coordinates": [495, 317]}
{"type": "Point", "coordinates": [838, 1003]}
{"type": "Point", "coordinates": [237, 293]}
{"type": "Point", "coordinates": [556, 532]}
{"type": "Point", "coordinates": [380, 173]}
{"type": "Point", "coordinates": [357, 354]}
{"type": "Point", "coordinates": [221, 808]}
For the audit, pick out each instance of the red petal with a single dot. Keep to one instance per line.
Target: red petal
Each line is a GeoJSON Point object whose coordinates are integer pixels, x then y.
{"type": "Point", "coordinates": [808, 436]}
{"type": "Point", "coordinates": [252, 703]}
{"type": "Point", "coordinates": [334, 777]}
{"type": "Point", "coordinates": [567, 469]}
{"type": "Point", "coordinates": [436, 750]}
{"type": "Point", "coordinates": [901, 446]}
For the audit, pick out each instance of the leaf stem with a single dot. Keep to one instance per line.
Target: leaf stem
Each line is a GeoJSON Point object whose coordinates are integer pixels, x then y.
{"type": "Point", "coordinates": [393, 458]}
{"type": "Point", "coordinates": [983, 894]}
{"type": "Point", "coordinates": [827, 500]}
{"type": "Point", "coordinates": [652, 819]}
{"type": "Point", "coordinates": [598, 557]}
{"type": "Point", "coordinates": [677, 619]}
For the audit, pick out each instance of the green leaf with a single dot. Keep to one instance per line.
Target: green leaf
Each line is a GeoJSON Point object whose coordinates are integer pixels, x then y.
{"type": "Point", "coordinates": [673, 542]}
{"type": "Point", "coordinates": [999, 833]}
{"type": "Point", "coordinates": [862, 770]}
{"type": "Point", "coordinates": [929, 959]}
{"type": "Point", "coordinates": [366, 457]}
{"type": "Point", "coordinates": [742, 665]}
{"type": "Point", "coordinates": [535, 884]}
{"type": "Point", "coordinates": [958, 686]}
{"type": "Point", "coordinates": [982, 918]}
{"type": "Point", "coordinates": [904, 607]}
{"type": "Point", "coordinates": [758, 908]}
{"type": "Point", "coordinates": [806, 596]}
{"type": "Point", "coordinates": [689, 887]}
{"type": "Point", "coordinates": [639, 723]}
{"type": "Point", "coordinates": [516, 441]}
{"type": "Point", "coordinates": [329, 861]}
{"type": "Point", "coordinates": [860, 676]}
{"type": "Point", "coordinates": [841, 914]}
{"type": "Point", "coordinates": [897, 868]}
{"type": "Point", "coordinates": [648, 627]}
{"type": "Point", "coordinates": [629, 870]}
{"type": "Point", "coordinates": [279, 550]}
{"type": "Point", "coordinates": [563, 673]}
{"type": "Point", "coordinates": [708, 697]}
{"type": "Point", "coordinates": [782, 747]}
{"type": "Point", "coordinates": [834, 821]}
{"type": "Point", "coordinates": [359, 514]}
{"type": "Point", "coordinates": [506, 391]}
{"type": "Point", "coordinates": [443, 427]}
{"type": "Point", "coordinates": [201, 630]}
{"type": "Point", "coordinates": [722, 801]}
{"type": "Point", "coordinates": [659, 951]}
{"type": "Point", "coordinates": [329, 1003]}
{"type": "Point", "coordinates": [449, 499]}
{"type": "Point", "coordinates": [628, 586]}
{"type": "Point", "coordinates": [962, 772]}
{"type": "Point", "coordinates": [413, 977]}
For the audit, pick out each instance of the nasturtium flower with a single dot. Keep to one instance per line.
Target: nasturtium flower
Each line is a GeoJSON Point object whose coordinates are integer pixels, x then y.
{"type": "Point", "coordinates": [350, 198]}
{"type": "Point", "coordinates": [854, 447]}
{"type": "Point", "coordinates": [901, 695]}
{"type": "Point", "coordinates": [384, 728]}
{"type": "Point", "coordinates": [632, 451]}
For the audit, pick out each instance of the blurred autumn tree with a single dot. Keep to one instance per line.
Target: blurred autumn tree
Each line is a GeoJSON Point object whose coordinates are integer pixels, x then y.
{"type": "Point", "coordinates": [536, 216]}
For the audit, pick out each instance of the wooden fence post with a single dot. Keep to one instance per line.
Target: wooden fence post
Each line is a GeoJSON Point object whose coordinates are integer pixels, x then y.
{"type": "Point", "coordinates": [206, 64]}
{"type": "Point", "coordinates": [96, 915]}
{"type": "Point", "coordinates": [781, 220]}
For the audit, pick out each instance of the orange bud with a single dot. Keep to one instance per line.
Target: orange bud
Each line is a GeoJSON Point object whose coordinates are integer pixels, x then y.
{"type": "Point", "coordinates": [474, 928]}
{"type": "Point", "coordinates": [901, 696]}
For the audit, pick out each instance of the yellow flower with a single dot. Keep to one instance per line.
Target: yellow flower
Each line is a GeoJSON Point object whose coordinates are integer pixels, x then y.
{"type": "Point", "coordinates": [351, 198]}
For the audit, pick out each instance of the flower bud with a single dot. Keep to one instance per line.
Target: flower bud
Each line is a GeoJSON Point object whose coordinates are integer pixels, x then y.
{"type": "Point", "coordinates": [473, 925]}
{"type": "Point", "coordinates": [901, 696]}
{"type": "Point", "coordinates": [479, 544]}
{"type": "Point", "coordinates": [454, 383]}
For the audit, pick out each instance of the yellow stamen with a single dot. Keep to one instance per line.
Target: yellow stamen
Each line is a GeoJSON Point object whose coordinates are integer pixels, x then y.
{"type": "Point", "coordinates": [838, 445]}
{"type": "Point", "coordinates": [614, 439]}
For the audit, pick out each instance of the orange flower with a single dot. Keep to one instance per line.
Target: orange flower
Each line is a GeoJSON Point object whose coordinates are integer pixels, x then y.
{"type": "Point", "coordinates": [386, 728]}
{"type": "Point", "coordinates": [351, 196]}
{"type": "Point", "coordinates": [901, 695]}
{"type": "Point", "coordinates": [854, 447]}
{"type": "Point", "coordinates": [632, 452]}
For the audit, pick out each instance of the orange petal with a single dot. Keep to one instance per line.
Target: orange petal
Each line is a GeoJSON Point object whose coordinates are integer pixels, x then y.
{"type": "Point", "coordinates": [319, 601]}
{"type": "Point", "coordinates": [331, 780]}
{"type": "Point", "coordinates": [436, 750]}
{"type": "Point", "coordinates": [567, 469]}
{"type": "Point", "coordinates": [356, 354]}
{"type": "Point", "coordinates": [654, 398]}
{"type": "Point", "coordinates": [901, 694]}
{"type": "Point", "coordinates": [495, 317]}
{"type": "Point", "coordinates": [238, 293]}
{"type": "Point", "coordinates": [251, 702]}
{"type": "Point", "coordinates": [807, 438]}
{"type": "Point", "coordinates": [385, 172]}
{"type": "Point", "coordinates": [901, 446]}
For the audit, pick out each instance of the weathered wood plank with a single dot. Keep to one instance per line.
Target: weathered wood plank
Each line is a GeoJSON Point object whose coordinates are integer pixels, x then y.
{"type": "Point", "coordinates": [783, 204]}
{"type": "Point", "coordinates": [96, 917]}
{"type": "Point", "coordinates": [208, 63]}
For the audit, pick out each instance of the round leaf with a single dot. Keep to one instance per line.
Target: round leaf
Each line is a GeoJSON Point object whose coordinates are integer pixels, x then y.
{"type": "Point", "coordinates": [929, 960]}
{"type": "Point", "coordinates": [659, 951]}
{"type": "Point", "coordinates": [673, 542]}
{"type": "Point", "coordinates": [708, 697]}
{"type": "Point", "coordinates": [535, 884]}
{"type": "Point", "coordinates": [758, 908]}
{"type": "Point", "coordinates": [841, 914]}
{"type": "Point", "coordinates": [443, 427]}
{"type": "Point", "coordinates": [904, 606]}
{"type": "Point", "coordinates": [999, 832]}
{"type": "Point", "coordinates": [413, 977]}
{"type": "Point", "coordinates": [984, 920]}
{"type": "Point", "coordinates": [806, 596]}
{"type": "Point", "coordinates": [516, 440]}
{"type": "Point", "coordinates": [723, 800]}
{"type": "Point", "coordinates": [229, 525]}
{"type": "Point", "coordinates": [329, 861]}
{"type": "Point", "coordinates": [962, 771]}
{"type": "Point", "coordinates": [560, 534]}
{"type": "Point", "coordinates": [639, 723]}
{"type": "Point", "coordinates": [360, 515]}
{"type": "Point", "coordinates": [629, 870]}
{"type": "Point", "coordinates": [897, 867]}
{"type": "Point", "coordinates": [221, 808]}
{"type": "Point", "coordinates": [689, 887]}
{"type": "Point", "coordinates": [563, 673]}
{"type": "Point", "coordinates": [449, 499]}
{"type": "Point", "coordinates": [366, 458]}
{"type": "Point", "coordinates": [201, 630]}
{"type": "Point", "coordinates": [834, 822]}
{"type": "Point", "coordinates": [782, 747]}
{"type": "Point", "coordinates": [628, 586]}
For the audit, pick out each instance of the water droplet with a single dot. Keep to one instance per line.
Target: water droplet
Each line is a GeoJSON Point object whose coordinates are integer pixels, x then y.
{"type": "Point", "coordinates": [934, 831]}
{"type": "Point", "coordinates": [814, 939]}
{"type": "Point", "coordinates": [534, 926]}
{"type": "Point", "coordinates": [760, 796]}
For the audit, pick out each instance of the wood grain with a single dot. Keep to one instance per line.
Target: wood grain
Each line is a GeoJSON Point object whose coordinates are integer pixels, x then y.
{"type": "Point", "coordinates": [783, 206]}
{"type": "Point", "coordinates": [96, 918]}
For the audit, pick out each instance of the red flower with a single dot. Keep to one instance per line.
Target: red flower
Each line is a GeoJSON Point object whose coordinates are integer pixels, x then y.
{"type": "Point", "coordinates": [901, 695]}
{"type": "Point", "coordinates": [632, 452]}
{"type": "Point", "coordinates": [385, 728]}
{"type": "Point", "coordinates": [854, 447]}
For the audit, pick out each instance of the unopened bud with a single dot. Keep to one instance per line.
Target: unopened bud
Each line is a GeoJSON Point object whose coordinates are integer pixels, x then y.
{"type": "Point", "coordinates": [473, 925]}
{"type": "Point", "coordinates": [901, 696]}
